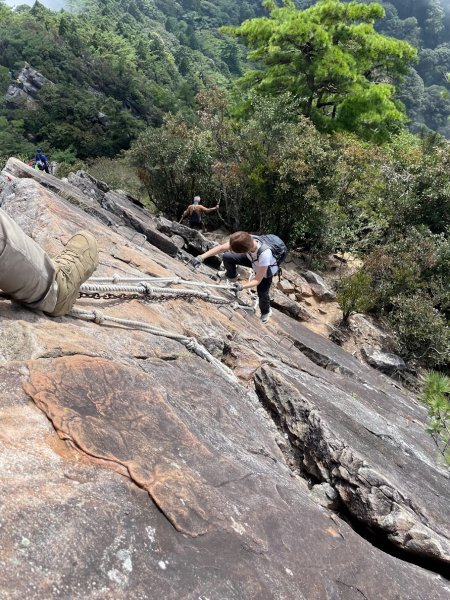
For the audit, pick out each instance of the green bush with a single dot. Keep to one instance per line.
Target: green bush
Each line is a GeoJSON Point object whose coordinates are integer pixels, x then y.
{"type": "Point", "coordinates": [119, 175]}
{"type": "Point", "coordinates": [356, 294]}
{"type": "Point", "coordinates": [436, 396]}
{"type": "Point", "coordinates": [422, 330]}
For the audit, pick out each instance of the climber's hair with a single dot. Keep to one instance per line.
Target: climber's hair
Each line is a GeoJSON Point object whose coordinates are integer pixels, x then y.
{"type": "Point", "coordinates": [241, 241]}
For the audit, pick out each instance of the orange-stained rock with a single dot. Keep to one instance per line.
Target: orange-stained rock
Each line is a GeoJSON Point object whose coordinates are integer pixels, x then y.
{"type": "Point", "coordinates": [243, 361]}
{"type": "Point", "coordinates": [170, 481]}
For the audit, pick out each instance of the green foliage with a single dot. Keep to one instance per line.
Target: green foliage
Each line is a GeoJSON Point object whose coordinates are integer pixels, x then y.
{"type": "Point", "coordinates": [119, 175]}
{"type": "Point", "coordinates": [12, 141]}
{"type": "Point", "coordinates": [68, 116]}
{"type": "Point", "coordinates": [422, 330]}
{"type": "Point", "coordinates": [332, 60]}
{"type": "Point", "coordinates": [406, 264]}
{"type": "Point", "coordinates": [436, 396]}
{"type": "Point", "coordinates": [5, 80]}
{"type": "Point", "coordinates": [66, 161]}
{"type": "Point", "coordinates": [174, 163]}
{"type": "Point", "coordinates": [356, 294]}
{"type": "Point", "coordinates": [410, 275]}
{"type": "Point", "coordinates": [426, 25]}
{"type": "Point", "coordinates": [133, 61]}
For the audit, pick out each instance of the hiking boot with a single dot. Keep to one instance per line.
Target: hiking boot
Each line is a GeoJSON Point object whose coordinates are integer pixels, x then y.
{"type": "Point", "coordinates": [74, 265]}
{"type": "Point", "coordinates": [266, 316]}
{"type": "Point", "coordinates": [223, 275]}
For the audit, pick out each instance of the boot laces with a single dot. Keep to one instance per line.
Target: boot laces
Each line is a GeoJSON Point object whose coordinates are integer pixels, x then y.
{"type": "Point", "coordinates": [67, 256]}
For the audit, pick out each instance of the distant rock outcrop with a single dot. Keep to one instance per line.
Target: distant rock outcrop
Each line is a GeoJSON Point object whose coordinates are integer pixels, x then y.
{"type": "Point", "coordinates": [132, 468]}
{"type": "Point", "coordinates": [24, 90]}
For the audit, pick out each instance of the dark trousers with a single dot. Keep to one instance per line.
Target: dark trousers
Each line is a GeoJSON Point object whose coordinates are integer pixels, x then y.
{"type": "Point", "coordinates": [231, 260]}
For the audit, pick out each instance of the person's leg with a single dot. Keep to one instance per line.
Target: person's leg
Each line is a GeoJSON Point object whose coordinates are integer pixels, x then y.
{"type": "Point", "coordinates": [28, 275]}
{"type": "Point", "coordinates": [231, 260]}
{"type": "Point", "coordinates": [26, 272]}
{"type": "Point", "coordinates": [263, 295]}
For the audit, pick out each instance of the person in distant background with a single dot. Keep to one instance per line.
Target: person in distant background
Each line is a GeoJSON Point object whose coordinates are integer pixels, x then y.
{"type": "Point", "coordinates": [40, 161]}
{"type": "Point", "coordinates": [194, 212]}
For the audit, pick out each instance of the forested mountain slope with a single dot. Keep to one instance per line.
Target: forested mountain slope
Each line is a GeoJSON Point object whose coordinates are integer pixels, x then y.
{"type": "Point", "coordinates": [133, 61]}
{"type": "Point", "coordinates": [426, 25]}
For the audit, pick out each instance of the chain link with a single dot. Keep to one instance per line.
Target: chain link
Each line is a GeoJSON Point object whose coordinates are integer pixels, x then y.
{"type": "Point", "coordinates": [188, 296]}
{"type": "Point", "coordinates": [164, 298]}
{"type": "Point", "coordinates": [108, 296]}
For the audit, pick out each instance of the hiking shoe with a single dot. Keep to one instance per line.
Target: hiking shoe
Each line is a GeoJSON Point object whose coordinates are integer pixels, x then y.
{"type": "Point", "coordinates": [223, 275]}
{"type": "Point", "coordinates": [266, 316]}
{"type": "Point", "coordinates": [74, 265]}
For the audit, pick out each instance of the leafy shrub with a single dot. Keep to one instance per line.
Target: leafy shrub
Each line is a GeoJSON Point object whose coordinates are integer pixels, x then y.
{"type": "Point", "coordinates": [356, 294]}
{"type": "Point", "coordinates": [119, 175]}
{"type": "Point", "coordinates": [436, 396]}
{"type": "Point", "coordinates": [422, 330]}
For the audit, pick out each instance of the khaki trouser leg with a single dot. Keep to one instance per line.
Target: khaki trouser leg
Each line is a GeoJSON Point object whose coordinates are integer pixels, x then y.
{"type": "Point", "coordinates": [26, 272]}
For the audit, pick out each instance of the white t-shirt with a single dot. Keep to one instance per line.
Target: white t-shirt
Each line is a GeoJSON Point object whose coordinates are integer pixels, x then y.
{"type": "Point", "coordinates": [265, 259]}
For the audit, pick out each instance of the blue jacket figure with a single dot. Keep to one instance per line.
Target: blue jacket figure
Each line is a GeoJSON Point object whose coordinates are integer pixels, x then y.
{"type": "Point", "coordinates": [40, 161]}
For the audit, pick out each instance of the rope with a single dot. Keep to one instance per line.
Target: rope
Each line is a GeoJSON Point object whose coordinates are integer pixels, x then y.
{"type": "Point", "coordinates": [146, 290]}
{"type": "Point", "coordinates": [115, 279]}
{"type": "Point", "coordinates": [189, 342]}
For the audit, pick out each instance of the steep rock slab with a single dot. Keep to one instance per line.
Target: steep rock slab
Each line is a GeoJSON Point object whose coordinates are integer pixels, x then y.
{"type": "Point", "coordinates": [80, 531]}
{"type": "Point", "coordinates": [114, 414]}
{"type": "Point", "coordinates": [75, 530]}
{"type": "Point", "coordinates": [196, 243]}
{"type": "Point", "coordinates": [382, 484]}
{"type": "Point", "coordinates": [130, 213]}
{"type": "Point", "coordinates": [63, 189]}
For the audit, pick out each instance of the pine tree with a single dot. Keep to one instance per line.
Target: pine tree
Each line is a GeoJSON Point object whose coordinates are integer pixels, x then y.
{"type": "Point", "coordinates": [329, 57]}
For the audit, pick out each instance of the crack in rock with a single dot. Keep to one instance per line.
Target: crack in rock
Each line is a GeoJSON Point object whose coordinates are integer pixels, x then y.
{"type": "Point", "coordinates": [366, 493]}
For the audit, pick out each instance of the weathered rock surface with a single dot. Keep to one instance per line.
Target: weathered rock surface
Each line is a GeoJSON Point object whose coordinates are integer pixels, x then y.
{"type": "Point", "coordinates": [289, 306]}
{"type": "Point", "coordinates": [383, 361]}
{"type": "Point", "coordinates": [318, 286]}
{"type": "Point", "coordinates": [325, 495]}
{"type": "Point", "coordinates": [25, 89]}
{"type": "Point", "coordinates": [196, 243]}
{"type": "Point", "coordinates": [131, 468]}
{"type": "Point", "coordinates": [301, 287]}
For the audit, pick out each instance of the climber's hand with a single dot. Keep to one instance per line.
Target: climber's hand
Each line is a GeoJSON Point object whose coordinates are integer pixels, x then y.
{"type": "Point", "coordinates": [237, 287]}
{"type": "Point", "coordinates": [195, 262]}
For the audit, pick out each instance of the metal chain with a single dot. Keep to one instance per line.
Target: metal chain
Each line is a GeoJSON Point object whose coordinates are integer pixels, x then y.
{"type": "Point", "coordinates": [189, 297]}
{"type": "Point", "coordinates": [97, 296]}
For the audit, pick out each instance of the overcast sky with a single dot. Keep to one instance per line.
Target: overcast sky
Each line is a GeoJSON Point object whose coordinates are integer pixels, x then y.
{"type": "Point", "coordinates": [53, 4]}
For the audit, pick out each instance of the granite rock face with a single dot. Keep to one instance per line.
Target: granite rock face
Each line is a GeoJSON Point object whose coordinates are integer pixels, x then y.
{"type": "Point", "coordinates": [133, 468]}
{"type": "Point", "coordinates": [24, 91]}
{"type": "Point", "coordinates": [318, 286]}
{"type": "Point", "coordinates": [383, 361]}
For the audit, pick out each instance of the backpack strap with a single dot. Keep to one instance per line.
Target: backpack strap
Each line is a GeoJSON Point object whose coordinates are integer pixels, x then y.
{"type": "Point", "coordinates": [262, 247]}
